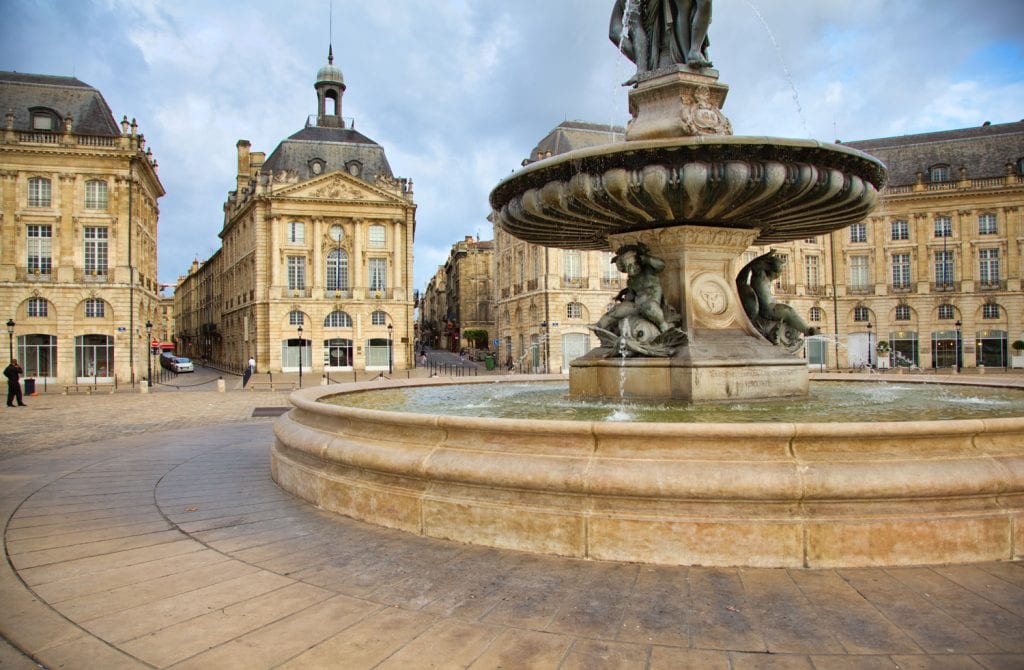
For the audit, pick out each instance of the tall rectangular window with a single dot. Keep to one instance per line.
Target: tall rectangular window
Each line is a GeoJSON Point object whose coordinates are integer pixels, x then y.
{"type": "Point", "coordinates": [901, 270]}
{"type": "Point", "coordinates": [572, 266]}
{"type": "Point", "coordinates": [943, 226]}
{"type": "Point", "coordinates": [378, 269]}
{"type": "Point", "coordinates": [944, 268]}
{"type": "Point", "coordinates": [988, 266]}
{"type": "Point", "coordinates": [39, 245]}
{"type": "Point", "coordinates": [376, 238]}
{"type": "Point", "coordinates": [900, 230]}
{"type": "Point", "coordinates": [95, 250]}
{"type": "Point", "coordinates": [296, 273]}
{"type": "Point", "coordinates": [95, 194]}
{"type": "Point", "coordinates": [38, 192]}
{"type": "Point", "coordinates": [859, 232]}
{"type": "Point", "coordinates": [785, 280]}
{"type": "Point", "coordinates": [859, 278]}
{"type": "Point", "coordinates": [987, 224]}
{"type": "Point", "coordinates": [812, 272]}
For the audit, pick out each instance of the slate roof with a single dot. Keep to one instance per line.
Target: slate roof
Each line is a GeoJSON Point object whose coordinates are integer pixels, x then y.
{"type": "Point", "coordinates": [572, 135]}
{"type": "Point", "coordinates": [20, 92]}
{"type": "Point", "coordinates": [984, 151]}
{"type": "Point", "coordinates": [337, 147]}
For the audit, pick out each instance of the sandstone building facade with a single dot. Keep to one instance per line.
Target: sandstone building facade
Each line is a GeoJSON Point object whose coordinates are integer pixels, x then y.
{"type": "Point", "coordinates": [78, 230]}
{"type": "Point", "coordinates": [461, 297]}
{"type": "Point", "coordinates": [315, 263]}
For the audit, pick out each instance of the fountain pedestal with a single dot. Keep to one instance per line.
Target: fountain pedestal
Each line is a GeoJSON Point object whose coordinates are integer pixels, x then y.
{"type": "Point", "coordinates": [677, 102]}
{"type": "Point", "coordinates": [726, 358]}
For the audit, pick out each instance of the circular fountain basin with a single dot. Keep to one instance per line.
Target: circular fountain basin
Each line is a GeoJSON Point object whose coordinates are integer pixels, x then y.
{"type": "Point", "coordinates": [778, 494]}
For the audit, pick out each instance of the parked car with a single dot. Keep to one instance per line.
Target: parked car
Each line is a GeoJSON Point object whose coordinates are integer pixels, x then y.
{"type": "Point", "coordinates": [167, 360]}
{"type": "Point", "coordinates": [182, 365]}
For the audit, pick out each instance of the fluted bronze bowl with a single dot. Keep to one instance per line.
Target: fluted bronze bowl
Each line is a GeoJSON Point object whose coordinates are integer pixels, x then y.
{"type": "Point", "coordinates": [786, 189]}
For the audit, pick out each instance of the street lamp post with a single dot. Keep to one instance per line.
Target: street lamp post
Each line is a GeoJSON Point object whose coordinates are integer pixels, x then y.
{"type": "Point", "coordinates": [301, 347]}
{"type": "Point", "coordinates": [869, 344]}
{"type": "Point", "coordinates": [10, 338]}
{"type": "Point", "coordinates": [149, 359]}
{"type": "Point", "coordinates": [957, 352]}
{"type": "Point", "coordinates": [391, 348]}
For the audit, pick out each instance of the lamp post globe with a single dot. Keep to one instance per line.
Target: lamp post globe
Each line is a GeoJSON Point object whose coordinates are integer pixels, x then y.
{"type": "Point", "coordinates": [301, 347]}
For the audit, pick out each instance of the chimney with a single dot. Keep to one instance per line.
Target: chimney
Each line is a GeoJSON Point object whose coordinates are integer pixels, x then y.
{"type": "Point", "coordinates": [242, 177]}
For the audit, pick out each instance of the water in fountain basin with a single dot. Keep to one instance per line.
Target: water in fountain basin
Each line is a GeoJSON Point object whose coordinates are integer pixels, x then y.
{"type": "Point", "coordinates": [827, 402]}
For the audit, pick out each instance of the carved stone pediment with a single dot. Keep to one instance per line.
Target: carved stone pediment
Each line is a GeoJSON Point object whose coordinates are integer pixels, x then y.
{"type": "Point", "coordinates": [336, 186]}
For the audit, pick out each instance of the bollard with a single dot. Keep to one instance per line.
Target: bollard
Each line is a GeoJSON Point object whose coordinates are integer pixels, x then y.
{"type": "Point", "coordinates": [143, 388]}
{"type": "Point", "coordinates": [220, 385]}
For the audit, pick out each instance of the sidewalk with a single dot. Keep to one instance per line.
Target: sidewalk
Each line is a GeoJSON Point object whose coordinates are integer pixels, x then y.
{"type": "Point", "coordinates": [144, 533]}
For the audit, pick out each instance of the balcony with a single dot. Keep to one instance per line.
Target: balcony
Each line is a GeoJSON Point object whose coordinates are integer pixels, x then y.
{"type": "Point", "coordinates": [859, 290]}
{"type": "Point", "coordinates": [814, 290]}
{"type": "Point", "coordinates": [900, 288]}
{"type": "Point", "coordinates": [296, 292]}
{"type": "Point", "coordinates": [95, 277]}
{"type": "Point", "coordinates": [945, 287]}
{"type": "Point", "coordinates": [337, 294]}
{"type": "Point", "coordinates": [34, 275]}
{"type": "Point", "coordinates": [517, 289]}
{"type": "Point", "coordinates": [998, 285]}
{"type": "Point", "coordinates": [504, 291]}
{"type": "Point", "coordinates": [611, 283]}
{"type": "Point", "coordinates": [572, 282]}
{"type": "Point", "coordinates": [531, 284]}
{"type": "Point", "coordinates": [782, 288]}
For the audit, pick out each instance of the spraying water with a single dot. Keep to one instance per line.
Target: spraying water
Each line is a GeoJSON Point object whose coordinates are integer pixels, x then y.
{"type": "Point", "coordinates": [785, 68]}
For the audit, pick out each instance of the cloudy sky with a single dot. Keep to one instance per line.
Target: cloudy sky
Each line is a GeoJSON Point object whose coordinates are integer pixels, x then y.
{"type": "Point", "coordinates": [459, 91]}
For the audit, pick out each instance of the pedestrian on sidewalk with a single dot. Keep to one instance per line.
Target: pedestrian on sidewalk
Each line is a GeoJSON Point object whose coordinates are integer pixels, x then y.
{"type": "Point", "coordinates": [12, 372]}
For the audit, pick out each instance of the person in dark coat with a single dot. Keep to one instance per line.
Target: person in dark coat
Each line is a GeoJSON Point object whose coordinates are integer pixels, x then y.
{"type": "Point", "coordinates": [12, 372]}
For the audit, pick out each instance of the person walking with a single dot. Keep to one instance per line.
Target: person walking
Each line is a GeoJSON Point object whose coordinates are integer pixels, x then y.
{"type": "Point", "coordinates": [12, 372]}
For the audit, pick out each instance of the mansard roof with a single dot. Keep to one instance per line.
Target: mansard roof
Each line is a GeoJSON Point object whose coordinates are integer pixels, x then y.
{"type": "Point", "coordinates": [336, 148]}
{"type": "Point", "coordinates": [572, 135]}
{"type": "Point", "coordinates": [20, 93]}
{"type": "Point", "coordinates": [983, 151]}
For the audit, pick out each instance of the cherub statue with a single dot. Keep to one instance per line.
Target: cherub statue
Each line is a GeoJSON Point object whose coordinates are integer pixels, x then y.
{"type": "Point", "coordinates": [640, 323]}
{"type": "Point", "coordinates": [778, 322]}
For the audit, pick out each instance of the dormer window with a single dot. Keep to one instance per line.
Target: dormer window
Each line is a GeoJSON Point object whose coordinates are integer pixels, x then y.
{"type": "Point", "coordinates": [938, 173]}
{"type": "Point", "coordinates": [317, 166]}
{"type": "Point", "coordinates": [44, 119]}
{"type": "Point", "coordinates": [355, 168]}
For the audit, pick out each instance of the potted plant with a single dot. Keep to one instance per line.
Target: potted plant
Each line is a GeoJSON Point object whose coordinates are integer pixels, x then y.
{"type": "Point", "coordinates": [882, 349]}
{"type": "Point", "coordinates": [1017, 359]}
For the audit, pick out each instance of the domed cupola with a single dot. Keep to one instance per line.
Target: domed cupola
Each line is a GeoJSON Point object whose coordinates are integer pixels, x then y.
{"type": "Point", "coordinates": [330, 86]}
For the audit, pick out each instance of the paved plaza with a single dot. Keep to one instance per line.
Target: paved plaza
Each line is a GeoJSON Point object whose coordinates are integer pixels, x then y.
{"type": "Point", "coordinates": [143, 530]}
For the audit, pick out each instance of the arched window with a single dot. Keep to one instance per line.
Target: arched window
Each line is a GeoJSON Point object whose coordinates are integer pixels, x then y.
{"type": "Point", "coordinates": [379, 318]}
{"type": "Point", "coordinates": [903, 312]}
{"type": "Point", "coordinates": [338, 319]}
{"type": "Point", "coordinates": [938, 173]}
{"type": "Point", "coordinates": [296, 318]}
{"type": "Point", "coordinates": [38, 192]}
{"type": "Point", "coordinates": [95, 308]}
{"type": "Point", "coordinates": [861, 314]}
{"type": "Point", "coordinates": [946, 312]}
{"type": "Point", "coordinates": [990, 310]}
{"type": "Point", "coordinates": [337, 270]}
{"type": "Point", "coordinates": [815, 314]}
{"type": "Point", "coordinates": [95, 194]}
{"type": "Point", "coordinates": [574, 310]}
{"type": "Point", "coordinates": [37, 307]}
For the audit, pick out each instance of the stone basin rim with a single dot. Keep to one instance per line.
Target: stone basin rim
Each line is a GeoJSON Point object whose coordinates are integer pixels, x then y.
{"type": "Point", "coordinates": [312, 399]}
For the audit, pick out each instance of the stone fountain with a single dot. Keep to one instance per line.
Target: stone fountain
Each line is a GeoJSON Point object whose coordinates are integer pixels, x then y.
{"type": "Point", "coordinates": [680, 200]}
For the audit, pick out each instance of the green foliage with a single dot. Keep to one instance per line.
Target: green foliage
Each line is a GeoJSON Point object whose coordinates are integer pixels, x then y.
{"type": "Point", "coordinates": [1018, 345]}
{"type": "Point", "coordinates": [476, 338]}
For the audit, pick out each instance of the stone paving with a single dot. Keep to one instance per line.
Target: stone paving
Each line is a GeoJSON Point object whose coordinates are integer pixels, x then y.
{"type": "Point", "coordinates": [144, 531]}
